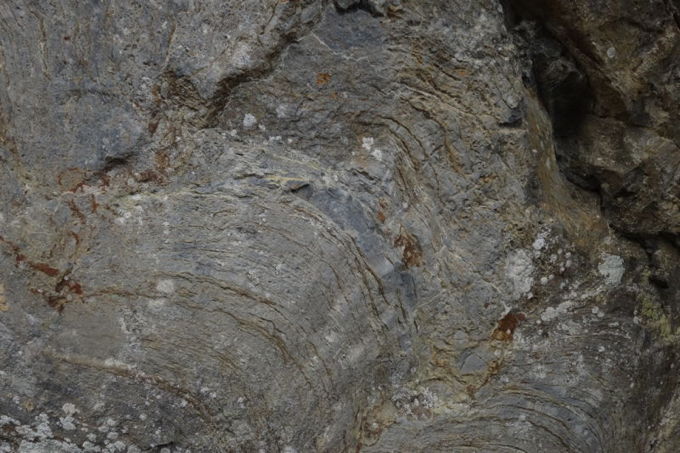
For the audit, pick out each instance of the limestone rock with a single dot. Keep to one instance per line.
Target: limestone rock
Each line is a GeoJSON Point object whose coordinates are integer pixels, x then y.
{"type": "Point", "coordinates": [314, 225]}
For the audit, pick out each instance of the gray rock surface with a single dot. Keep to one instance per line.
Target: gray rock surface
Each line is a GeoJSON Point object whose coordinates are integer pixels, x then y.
{"type": "Point", "coordinates": [361, 225]}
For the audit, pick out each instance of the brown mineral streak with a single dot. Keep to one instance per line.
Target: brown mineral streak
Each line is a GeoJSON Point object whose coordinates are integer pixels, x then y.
{"type": "Point", "coordinates": [19, 257]}
{"type": "Point", "coordinates": [44, 268]}
{"type": "Point", "coordinates": [507, 325]}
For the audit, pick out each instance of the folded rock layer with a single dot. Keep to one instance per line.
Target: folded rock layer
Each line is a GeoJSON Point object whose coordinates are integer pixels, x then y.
{"type": "Point", "coordinates": [374, 225]}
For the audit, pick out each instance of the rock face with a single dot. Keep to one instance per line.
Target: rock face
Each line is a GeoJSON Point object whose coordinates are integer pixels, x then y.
{"type": "Point", "coordinates": [361, 225]}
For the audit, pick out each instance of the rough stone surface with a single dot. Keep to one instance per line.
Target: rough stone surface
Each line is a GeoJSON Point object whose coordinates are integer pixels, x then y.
{"type": "Point", "coordinates": [351, 225]}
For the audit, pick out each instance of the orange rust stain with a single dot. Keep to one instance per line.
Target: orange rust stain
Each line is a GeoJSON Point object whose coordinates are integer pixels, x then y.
{"type": "Point", "coordinates": [413, 255]}
{"type": "Point", "coordinates": [507, 325]}
{"type": "Point", "coordinates": [323, 78]}
{"type": "Point", "coordinates": [381, 216]}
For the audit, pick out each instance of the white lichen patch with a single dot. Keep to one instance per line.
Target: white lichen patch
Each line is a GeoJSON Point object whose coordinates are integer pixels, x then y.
{"type": "Point", "coordinates": [249, 121]}
{"type": "Point", "coordinates": [611, 268]}
{"type": "Point", "coordinates": [367, 143]}
{"type": "Point", "coordinates": [241, 55]}
{"type": "Point", "coordinates": [551, 313]}
{"type": "Point", "coordinates": [156, 304]}
{"type": "Point", "coordinates": [519, 269]}
{"type": "Point", "coordinates": [123, 218]}
{"type": "Point", "coordinates": [416, 403]}
{"type": "Point", "coordinates": [69, 408]}
{"type": "Point", "coordinates": [540, 241]}
{"type": "Point", "coordinates": [67, 423]}
{"type": "Point", "coordinates": [352, 357]}
{"type": "Point", "coordinates": [282, 111]}
{"type": "Point", "coordinates": [165, 286]}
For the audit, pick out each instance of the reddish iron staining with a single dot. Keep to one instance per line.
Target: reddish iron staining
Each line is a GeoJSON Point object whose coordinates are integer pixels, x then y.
{"type": "Point", "coordinates": [44, 268]}
{"type": "Point", "coordinates": [162, 161]}
{"type": "Point", "coordinates": [152, 126]}
{"type": "Point", "coordinates": [76, 211]}
{"type": "Point", "coordinates": [78, 186]}
{"type": "Point", "coordinates": [150, 176]}
{"type": "Point", "coordinates": [471, 390]}
{"type": "Point", "coordinates": [75, 236]}
{"type": "Point", "coordinates": [104, 180]}
{"type": "Point", "coordinates": [323, 78]}
{"type": "Point", "coordinates": [72, 179]}
{"type": "Point", "coordinates": [75, 288]}
{"type": "Point", "coordinates": [156, 93]}
{"type": "Point", "coordinates": [93, 203]}
{"type": "Point", "coordinates": [507, 325]}
{"type": "Point", "coordinates": [56, 302]}
{"type": "Point", "coordinates": [381, 211]}
{"type": "Point", "coordinates": [381, 216]}
{"type": "Point", "coordinates": [20, 257]}
{"type": "Point", "coordinates": [72, 286]}
{"type": "Point", "coordinates": [413, 255]}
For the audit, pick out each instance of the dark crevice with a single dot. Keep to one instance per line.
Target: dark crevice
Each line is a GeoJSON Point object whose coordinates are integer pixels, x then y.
{"type": "Point", "coordinates": [219, 100]}
{"type": "Point", "coordinates": [561, 85]}
{"type": "Point", "coordinates": [351, 6]}
{"type": "Point", "coordinates": [160, 447]}
{"type": "Point", "coordinates": [658, 282]}
{"type": "Point", "coordinates": [569, 99]}
{"type": "Point", "coordinates": [564, 92]}
{"type": "Point", "coordinates": [674, 8]}
{"type": "Point", "coordinates": [182, 92]}
{"type": "Point", "coordinates": [112, 162]}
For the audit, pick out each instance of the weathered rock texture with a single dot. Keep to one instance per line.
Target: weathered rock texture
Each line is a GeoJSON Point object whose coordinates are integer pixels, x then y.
{"type": "Point", "coordinates": [361, 225]}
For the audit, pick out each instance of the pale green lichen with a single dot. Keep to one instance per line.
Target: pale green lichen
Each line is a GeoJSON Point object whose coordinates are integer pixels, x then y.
{"type": "Point", "coordinates": [656, 319]}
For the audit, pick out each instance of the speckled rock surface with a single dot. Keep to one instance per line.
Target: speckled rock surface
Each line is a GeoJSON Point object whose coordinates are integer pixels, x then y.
{"type": "Point", "coordinates": [361, 225]}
